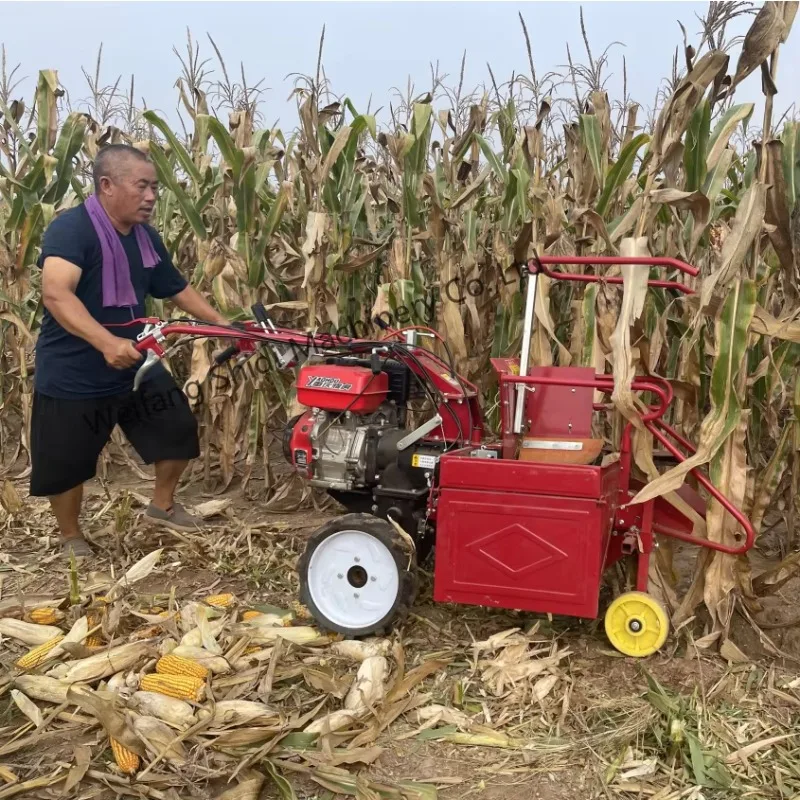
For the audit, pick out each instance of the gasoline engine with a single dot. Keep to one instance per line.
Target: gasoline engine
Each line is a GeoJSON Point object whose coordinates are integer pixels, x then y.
{"type": "Point", "coordinates": [353, 441]}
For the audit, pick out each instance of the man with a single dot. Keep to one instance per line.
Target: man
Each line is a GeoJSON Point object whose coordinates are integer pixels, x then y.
{"type": "Point", "coordinates": [99, 262]}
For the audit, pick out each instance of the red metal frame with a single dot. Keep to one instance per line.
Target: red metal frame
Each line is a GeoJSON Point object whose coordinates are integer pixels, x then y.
{"type": "Point", "coordinates": [512, 533]}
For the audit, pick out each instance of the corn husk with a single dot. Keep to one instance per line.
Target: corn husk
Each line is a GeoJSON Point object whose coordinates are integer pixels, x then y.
{"type": "Point", "coordinates": [191, 613]}
{"type": "Point", "coordinates": [264, 634]}
{"type": "Point", "coordinates": [156, 736]}
{"type": "Point", "coordinates": [369, 685]}
{"type": "Point", "coordinates": [102, 665]}
{"type": "Point", "coordinates": [268, 620]}
{"type": "Point", "coordinates": [40, 687]}
{"type": "Point", "coordinates": [213, 663]}
{"type": "Point", "coordinates": [27, 707]}
{"type": "Point", "coordinates": [168, 709]}
{"type": "Point", "coordinates": [360, 650]}
{"type": "Point", "coordinates": [117, 683]}
{"type": "Point", "coordinates": [204, 635]}
{"type": "Point", "coordinates": [335, 721]}
{"type": "Point", "coordinates": [239, 712]}
{"type": "Point", "coordinates": [28, 632]}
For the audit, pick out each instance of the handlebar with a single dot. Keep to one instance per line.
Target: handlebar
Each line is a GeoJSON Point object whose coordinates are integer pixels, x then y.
{"type": "Point", "coordinates": [538, 264]}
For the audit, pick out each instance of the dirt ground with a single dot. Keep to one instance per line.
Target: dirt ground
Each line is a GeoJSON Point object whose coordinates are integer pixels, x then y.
{"type": "Point", "coordinates": [604, 731]}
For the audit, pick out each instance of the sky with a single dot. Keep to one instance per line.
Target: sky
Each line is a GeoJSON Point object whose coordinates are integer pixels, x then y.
{"type": "Point", "coordinates": [371, 49]}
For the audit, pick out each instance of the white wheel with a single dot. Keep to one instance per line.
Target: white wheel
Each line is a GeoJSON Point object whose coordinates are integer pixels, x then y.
{"type": "Point", "coordinates": [353, 575]}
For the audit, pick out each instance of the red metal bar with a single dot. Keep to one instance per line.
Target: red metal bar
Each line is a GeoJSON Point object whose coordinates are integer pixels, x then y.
{"type": "Point", "coordinates": [604, 382]}
{"type": "Point", "coordinates": [652, 261]}
{"type": "Point", "coordinates": [568, 276]}
{"type": "Point", "coordinates": [539, 266]}
{"type": "Point", "coordinates": [718, 496]}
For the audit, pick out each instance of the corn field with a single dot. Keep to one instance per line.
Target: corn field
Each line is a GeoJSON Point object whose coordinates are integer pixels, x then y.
{"type": "Point", "coordinates": [341, 219]}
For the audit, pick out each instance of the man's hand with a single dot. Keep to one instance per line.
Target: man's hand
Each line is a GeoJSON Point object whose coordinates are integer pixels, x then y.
{"type": "Point", "coordinates": [120, 353]}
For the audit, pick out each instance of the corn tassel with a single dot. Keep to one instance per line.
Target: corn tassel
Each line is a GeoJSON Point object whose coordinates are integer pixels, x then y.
{"type": "Point", "coordinates": [182, 687]}
{"type": "Point", "coordinates": [127, 760]}
{"type": "Point", "coordinates": [221, 600]}
{"type": "Point", "coordinates": [45, 616]}
{"type": "Point", "coordinates": [178, 665]}
{"type": "Point", "coordinates": [33, 658]}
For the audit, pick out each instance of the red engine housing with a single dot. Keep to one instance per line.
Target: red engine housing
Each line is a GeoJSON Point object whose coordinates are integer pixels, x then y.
{"type": "Point", "coordinates": [341, 388]}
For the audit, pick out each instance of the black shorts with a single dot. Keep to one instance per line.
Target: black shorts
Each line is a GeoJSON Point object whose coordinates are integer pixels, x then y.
{"type": "Point", "coordinates": [67, 436]}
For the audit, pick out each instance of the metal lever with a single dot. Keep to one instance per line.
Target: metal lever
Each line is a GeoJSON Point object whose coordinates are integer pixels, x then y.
{"type": "Point", "coordinates": [149, 362]}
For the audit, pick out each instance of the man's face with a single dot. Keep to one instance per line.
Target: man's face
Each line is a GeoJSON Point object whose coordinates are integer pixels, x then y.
{"type": "Point", "coordinates": [130, 195]}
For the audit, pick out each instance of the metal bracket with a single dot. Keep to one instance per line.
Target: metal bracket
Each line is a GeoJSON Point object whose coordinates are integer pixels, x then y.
{"type": "Point", "coordinates": [417, 434]}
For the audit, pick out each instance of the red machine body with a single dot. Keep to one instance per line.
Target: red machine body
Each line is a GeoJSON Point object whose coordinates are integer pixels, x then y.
{"type": "Point", "coordinates": [334, 388]}
{"type": "Point", "coordinates": [529, 522]}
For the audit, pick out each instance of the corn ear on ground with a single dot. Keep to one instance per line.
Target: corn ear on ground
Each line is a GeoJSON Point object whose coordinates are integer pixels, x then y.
{"type": "Point", "coordinates": [33, 658]}
{"type": "Point", "coordinates": [221, 600]}
{"type": "Point", "coordinates": [182, 687]}
{"type": "Point", "coordinates": [126, 760]}
{"type": "Point", "coordinates": [172, 664]}
{"type": "Point", "coordinates": [45, 616]}
{"type": "Point", "coordinates": [250, 615]}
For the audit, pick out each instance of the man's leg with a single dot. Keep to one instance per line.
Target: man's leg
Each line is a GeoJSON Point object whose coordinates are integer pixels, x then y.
{"type": "Point", "coordinates": [159, 424]}
{"type": "Point", "coordinates": [67, 436]}
{"type": "Point", "coordinates": [168, 473]}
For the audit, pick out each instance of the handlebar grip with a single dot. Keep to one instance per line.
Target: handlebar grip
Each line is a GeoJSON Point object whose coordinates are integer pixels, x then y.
{"type": "Point", "coordinates": [380, 323]}
{"type": "Point", "coordinates": [227, 353]}
{"type": "Point", "coordinates": [260, 313]}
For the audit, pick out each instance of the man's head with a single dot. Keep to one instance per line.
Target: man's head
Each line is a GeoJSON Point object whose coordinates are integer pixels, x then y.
{"type": "Point", "coordinates": [126, 183]}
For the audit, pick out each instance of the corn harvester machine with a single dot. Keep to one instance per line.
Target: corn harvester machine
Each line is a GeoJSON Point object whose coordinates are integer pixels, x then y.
{"type": "Point", "coordinates": [528, 520]}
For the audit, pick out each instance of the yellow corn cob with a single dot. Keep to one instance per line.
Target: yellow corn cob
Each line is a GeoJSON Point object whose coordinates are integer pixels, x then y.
{"type": "Point", "coordinates": [37, 655]}
{"type": "Point", "coordinates": [221, 600]}
{"type": "Point", "coordinates": [182, 687]}
{"type": "Point", "coordinates": [126, 760]}
{"type": "Point", "coordinates": [45, 616]}
{"type": "Point", "coordinates": [250, 615]}
{"type": "Point", "coordinates": [178, 665]}
{"type": "Point", "coordinates": [95, 640]}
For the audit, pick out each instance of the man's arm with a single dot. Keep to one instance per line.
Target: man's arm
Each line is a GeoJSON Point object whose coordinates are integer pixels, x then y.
{"type": "Point", "coordinates": [193, 303]}
{"type": "Point", "coordinates": [59, 280]}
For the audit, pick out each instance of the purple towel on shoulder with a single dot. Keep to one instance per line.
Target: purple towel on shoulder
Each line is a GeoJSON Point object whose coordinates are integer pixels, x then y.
{"type": "Point", "coordinates": [117, 286]}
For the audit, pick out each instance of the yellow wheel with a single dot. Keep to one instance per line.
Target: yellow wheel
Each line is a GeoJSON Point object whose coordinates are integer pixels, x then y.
{"type": "Point", "coordinates": [636, 624]}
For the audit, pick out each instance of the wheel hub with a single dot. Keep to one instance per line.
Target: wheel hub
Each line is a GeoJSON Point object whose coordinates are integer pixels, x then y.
{"type": "Point", "coordinates": [353, 579]}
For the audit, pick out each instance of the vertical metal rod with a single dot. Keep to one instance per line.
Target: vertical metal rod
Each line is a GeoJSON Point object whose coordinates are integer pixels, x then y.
{"type": "Point", "coordinates": [527, 330]}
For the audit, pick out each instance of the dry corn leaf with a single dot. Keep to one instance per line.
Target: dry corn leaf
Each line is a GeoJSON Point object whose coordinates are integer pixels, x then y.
{"type": "Point", "coordinates": [140, 570]}
{"type": "Point", "coordinates": [249, 789]}
{"type": "Point", "coordinates": [27, 707]}
{"type": "Point", "coordinates": [112, 720]}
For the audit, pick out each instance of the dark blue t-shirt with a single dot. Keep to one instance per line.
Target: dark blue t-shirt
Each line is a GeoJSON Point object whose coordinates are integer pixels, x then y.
{"type": "Point", "coordinates": [67, 366]}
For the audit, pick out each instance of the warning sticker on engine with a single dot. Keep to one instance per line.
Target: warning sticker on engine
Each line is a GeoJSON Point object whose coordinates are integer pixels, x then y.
{"type": "Point", "coordinates": [424, 462]}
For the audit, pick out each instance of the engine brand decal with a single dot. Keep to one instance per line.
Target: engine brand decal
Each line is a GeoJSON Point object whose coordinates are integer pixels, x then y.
{"type": "Point", "coordinates": [320, 382]}
{"type": "Point", "coordinates": [300, 458]}
{"type": "Point", "coordinates": [425, 462]}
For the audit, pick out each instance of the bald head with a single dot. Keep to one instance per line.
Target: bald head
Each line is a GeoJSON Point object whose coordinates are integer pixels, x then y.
{"type": "Point", "coordinates": [126, 183]}
{"type": "Point", "coordinates": [113, 160]}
